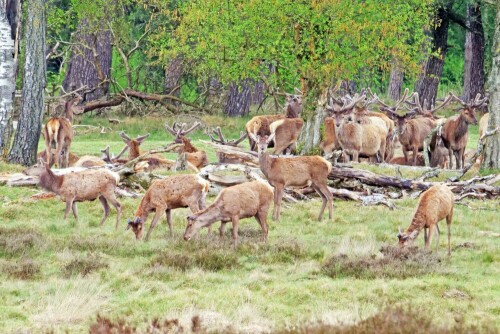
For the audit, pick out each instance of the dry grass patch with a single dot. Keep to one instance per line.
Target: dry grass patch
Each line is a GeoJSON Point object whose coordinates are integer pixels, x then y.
{"type": "Point", "coordinates": [16, 242]}
{"type": "Point", "coordinates": [24, 269]}
{"type": "Point", "coordinates": [84, 265]}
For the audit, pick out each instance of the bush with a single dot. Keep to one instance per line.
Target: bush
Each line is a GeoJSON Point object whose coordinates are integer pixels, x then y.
{"type": "Point", "coordinates": [24, 269]}
{"type": "Point", "coordinates": [394, 262]}
{"type": "Point", "coordinates": [84, 266]}
{"type": "Point", "coordinates": [18, 241]}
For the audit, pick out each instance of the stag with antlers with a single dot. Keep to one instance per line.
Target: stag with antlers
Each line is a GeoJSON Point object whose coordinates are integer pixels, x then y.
{"type": "Point", "coordinates": [455, 130]}
{"type": "Point", "coordinates": [414, 126]}
{"type": "Point", "coordinates": [194, 156]}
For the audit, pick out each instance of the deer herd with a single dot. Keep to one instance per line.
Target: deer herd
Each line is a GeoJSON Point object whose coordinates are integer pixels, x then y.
{"type": "Point", "coordinates": [349, 127]}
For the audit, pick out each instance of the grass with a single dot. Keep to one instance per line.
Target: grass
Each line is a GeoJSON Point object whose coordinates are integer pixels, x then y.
{"type": "Point", "coordinates": [344, 276]}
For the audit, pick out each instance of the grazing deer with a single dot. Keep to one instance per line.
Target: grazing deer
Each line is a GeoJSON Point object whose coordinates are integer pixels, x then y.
{"type": "Point", "coordinates": [260, 125]}
{"type": "Point", "coordinates": [79, 187]}
{"type": "Point", "coordinates": [435, 204]}
{"type": "Point", "coordinates": [194, 156]}
{"type": "Point", "coordinates": [294, 171]}
{"type": "Point", "coordinates": [176, 191]}
{"type": "Point", "coordinates": [456, 129]}
{"type": "Point", "coordinates": [245, 200]}
{"type": "Point", "coordinates": [58, 132]}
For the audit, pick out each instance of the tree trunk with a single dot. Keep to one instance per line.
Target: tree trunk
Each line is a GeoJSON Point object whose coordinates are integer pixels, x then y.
{"type": "Point", "coordinates": [90, 62]}
{"type": "Point", "coordinates": [258, 93]}
{"type": "Point", "coordinates": [474, 53]}
{"type": "Point", "coordinates": [8, 68]}
{"type": "Point", "coordinates": [492, 148]}
{"type": "Point", "coordinates": [396, 81]}
{"type": "Point", "coordinates": [173, 78]}
{"type": "Point", "coordinates": [238, 100]}
{"type": "Point", "coordinates": [428, 83]}
{"type": "Point", "coordinates": [30, 119]}
{"type": "Point", "coordinates": [311, 132]}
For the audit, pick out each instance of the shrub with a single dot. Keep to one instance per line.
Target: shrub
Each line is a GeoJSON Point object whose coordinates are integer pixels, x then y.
{"type": "Point", "coordinates": [394, 262]}
{"type": "Point", "coordinates": [84, 266]}
{"type": "Point", "coordinates": [24, 269]}
{"type": "Point", "coordinates": [18, 241]}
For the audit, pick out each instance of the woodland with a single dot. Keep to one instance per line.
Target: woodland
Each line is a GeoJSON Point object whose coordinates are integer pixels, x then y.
{"type": "Point", "coordinates": [368, 106]}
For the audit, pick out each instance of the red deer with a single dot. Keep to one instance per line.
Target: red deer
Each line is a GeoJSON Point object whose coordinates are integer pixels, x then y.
{"type": "Point", "coordinates": [176, 191]}
{"type": "Point", "coordinates": [245, 200]}
{"type": "Point", "coordinates": [79, 187]}
{"type": "Point", "coordinates": [152, 161]}
{"type": "Point", "coordinates": [330, 142]}
{"type": "Point", "coordinates": [58, 132]}
{"type": "Point", "coordinates": [194, 156]}
{"type": "Point", "coordinates": [260, 125]}
{"type": "Point", "coordinates": [286, 132]}
{"type": "Point", "coordinates": [456, 129]}
{"type": "Point", "coordinates": [73, 158]}
{"type": "Point", "coordinates": [297, 171]}
{"type": "Point", "coordinates": [224, 157]}
{"type": "Point", "coordinates": [435, 204]}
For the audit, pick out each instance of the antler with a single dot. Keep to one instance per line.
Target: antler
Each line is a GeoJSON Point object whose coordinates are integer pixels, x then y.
{"type": "Point", "coordinates": [222, 140]}
{"type": "Point", "coordinates": [428, 112]}
{"type": "Point", "coordinates": [477, 102]}
{"type": "Point", "coordinates": [124, 136]}
{"type": "Point", "coordinates": [178, 131]}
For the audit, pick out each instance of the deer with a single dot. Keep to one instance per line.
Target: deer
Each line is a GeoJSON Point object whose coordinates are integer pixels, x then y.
{"type": "Point", "coordinates": [358, 138]}
{"type": "Point", "coordinates": [81, 186]}
{"type": "Point", "coordinates": [285, 133]}
{"type": "Point", "coordinates": [260, 125]}
{"type": "Point", "coordinates": [194, 156]}
{"type": "Point", "coordinates": [58, 132]}
{"type": "Point", "coordinates": [435, 204]}
{"type": "Point", "coordinates": [222, 157]}
{"type": "Point", "coordinates": [455, 131]}
{"type": "Point", "coordinates": [245, 200]}
{"type": "Point", "coordinates": [72, 158]}
{"type": "Point", "coordinates": [151, 162]}
{"type": "Point", "coordinates": [164, 195]}
{"type": "Point", "coordinates": [297, 171]}
{"type": "Point", "coordinates": [414, 126]}
{"type": "Point", "coordinates": [330, 141]}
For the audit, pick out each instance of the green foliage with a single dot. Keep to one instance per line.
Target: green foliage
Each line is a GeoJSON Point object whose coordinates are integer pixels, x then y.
{"type": "Point", "coordinates": [311, 42]}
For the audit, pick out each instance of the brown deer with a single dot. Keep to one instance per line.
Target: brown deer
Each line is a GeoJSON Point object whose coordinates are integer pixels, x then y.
{"type": "Point", "coordinates": [260, 125]}
{"type": "Point", "coordinates": [223, 157]}
{"type": "Point", "coordinates": [151, 162]}
{"type": "Point", "coordinates": [58, 133]}
{"type": "Point", "coordinates": [245, 200]}
{"type": "Point", "coordinates": [297, 171]}
{"type": "Point", "coordinates": [330, 142]}
{"type": "Point", "coordinates": [455, 131]}
{"type": "Point", "coordinates": [435, 204]}
{"type": "Point", "coordinates": [79, 187]}
{"type": "Point", "coordinates": [176, 191]}
{"type": "Point", "coordinates": [194, 156]}
{"type": "Point", "coordinates": [286, 132]}
{"type": "Point", "coordinates": [73, 158]}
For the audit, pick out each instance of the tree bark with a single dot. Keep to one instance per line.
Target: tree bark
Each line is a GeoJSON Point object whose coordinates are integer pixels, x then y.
{"type": "Point", "coordinates": [8, 68]}
{"type": "Point", "coordinates": [258, 92]}
{"type": "Point", "coordinates": [238, 100]}
{"type": "Point", "coordinates": [474, 53]}
{"type": "Point", "coordinates": [311, 135]}
{"type": "Point", "coordinates": [27, 135]}
{"type": "Point", "coordinates": [173, 75]}
{"type": "Point", "coordinates": [428, 83]}
{"type": "Point", "coordinates": [396, 81]}
{"type": "Point", "coordinates": [492, 148]}
{"type": "Point", "coordinates": [90, 61]}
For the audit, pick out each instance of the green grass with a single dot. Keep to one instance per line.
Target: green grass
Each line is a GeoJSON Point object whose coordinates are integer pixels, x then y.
{"type": "Point", "coordinates": [58, 275]}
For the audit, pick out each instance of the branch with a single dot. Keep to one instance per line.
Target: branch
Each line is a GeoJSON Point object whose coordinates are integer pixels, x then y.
{"type": "Point", "coordinates": [161, 98]}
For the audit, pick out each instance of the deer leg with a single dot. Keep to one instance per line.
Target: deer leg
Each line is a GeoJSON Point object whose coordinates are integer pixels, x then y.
{"type": "Point", "coordinates": [415, 153]}
{"type": "Point", "coordinates": [450, 155]}
{"type": "Point", "coordinates": [448, 224]}
{"type": "Point", "coordinates": [168, 212]}
{"type": "Point", "coordinates": [437, 237]}
{"type": "Point", "coordinates": [405, 153]}
{"type": "Point", "coordinates": [235, 220]}
{"type": "Point", "coordinates": [323, 198]}
{"type": "Point", "coordinates": [117, 205]}
{"type": "Point", "coordinates": [329, 199]}
{"type": "Point", "coordinates": [426, 231]}
{"type": "Point", "coordinates": [429, 238]}
{"type": "Point", "coordinates": [262, 220]}
{"type": "Point", "coordinates": [222, 229]}
{"type": "Point", "coordinates": [457, 159]}
{"type": "Point", "coordinates": [355, 156]}
{"type": "Point", "coordinates": [461, 154]}
{"type": "Point", "coordinates": [278, 195]}
{"type": "Point", "coordinates": [105, 205]}
{"type": "Point", "coordinates": [157, 216]}
{"type": "Point", "coordinates": [69, 204]}
{"type": "Point", "coordinates": [75, 210]}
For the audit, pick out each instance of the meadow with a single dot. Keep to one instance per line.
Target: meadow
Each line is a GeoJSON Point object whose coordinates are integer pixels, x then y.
{"type": "Point", "coordinates": [62, 276]}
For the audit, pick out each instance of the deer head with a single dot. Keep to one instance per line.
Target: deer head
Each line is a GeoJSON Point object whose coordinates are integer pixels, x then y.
{"type": "Point", "coordinates": [178, 130]}
{"type": "Point", "coordinates": [468, 110]}
{"type": "Point", "coordinates": [133, 144]}
{"type": "Point", "coordinates": [137, 226]}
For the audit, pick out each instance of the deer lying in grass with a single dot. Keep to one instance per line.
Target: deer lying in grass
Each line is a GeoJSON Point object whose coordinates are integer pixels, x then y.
{"type": "Point", "coordinates": [245, 200]}
{"type": "Point", "coordinates": [435, 204]}
{"type": "Point", "coordinates": [194, 156]}
{"type": "Point", "coordinates": [297, 171]}
{"type": "Point", "coordinates": [455, 131]}
{"type": "Point", "coordinates": [58, 132]}
{"type": "Point", "coordinates": [260, 125]}
{"type": "Point", "coordinates": [79, 187]}
{"type": "Point", "coordinates": [72, 158]}
{"type": "Point", "coordinates": [176, 191]}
